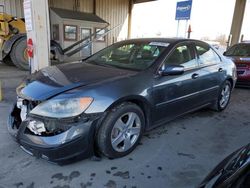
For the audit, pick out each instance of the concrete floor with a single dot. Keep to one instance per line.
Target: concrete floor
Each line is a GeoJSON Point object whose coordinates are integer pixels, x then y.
{"type": "Point", "coordinates": [177, 155]}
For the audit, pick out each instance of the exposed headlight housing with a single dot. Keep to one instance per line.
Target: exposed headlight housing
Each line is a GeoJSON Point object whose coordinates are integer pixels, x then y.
{"type": "Point", "coordinates": [62, 108]}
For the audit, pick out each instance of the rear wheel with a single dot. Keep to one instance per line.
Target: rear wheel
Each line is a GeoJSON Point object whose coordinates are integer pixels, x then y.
{"type": "Point", "coordinates": [19, 54]}
{"type": "Point", "coordinates": [121, 131]}
{"type": "Point", "coordinates": [223, 97]}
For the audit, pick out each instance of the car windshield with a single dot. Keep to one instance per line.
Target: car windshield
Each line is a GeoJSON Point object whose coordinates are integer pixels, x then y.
{"type": "Point", "coordinates": [134, 56]}
{"type": "Point", "coordinates": [239, 50]}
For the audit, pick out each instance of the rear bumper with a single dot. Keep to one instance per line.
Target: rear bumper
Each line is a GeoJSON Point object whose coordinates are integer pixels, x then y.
{"type": "Point", "coordinates": [243, 77]}
{"type": "Point", "coordinates": [242, 83]}
{"type": "Point", "coordinates": [73, 144]}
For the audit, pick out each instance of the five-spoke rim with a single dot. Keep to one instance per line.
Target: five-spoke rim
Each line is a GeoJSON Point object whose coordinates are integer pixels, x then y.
{"type": "Point", "coordinates": [225, 95]}
{"type": "Point", "coordinates": [125, 132]}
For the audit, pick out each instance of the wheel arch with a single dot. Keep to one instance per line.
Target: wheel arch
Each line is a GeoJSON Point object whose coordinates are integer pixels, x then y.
{"type": "Point", "coordinates": [231, 82]}
{"type": "Point", "coordinates": [140, 101]}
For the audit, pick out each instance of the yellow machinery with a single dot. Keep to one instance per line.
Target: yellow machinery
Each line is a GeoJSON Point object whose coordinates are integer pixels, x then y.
{"type": "Point", "coordinates": [13, 41]}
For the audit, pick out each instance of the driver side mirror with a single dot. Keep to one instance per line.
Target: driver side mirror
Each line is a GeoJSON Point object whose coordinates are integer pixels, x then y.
{"type": "Point", "coordinates": [172, 70]}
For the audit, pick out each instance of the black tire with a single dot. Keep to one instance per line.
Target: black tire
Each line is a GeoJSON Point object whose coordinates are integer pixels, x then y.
{"type": "Point", "coordinates": [217, 105]}
{"type": "Point", "coordinates": [7, 61]}
{"type": "Point", "coordinates": [104, 133]}
{"type": "Point", "coordinates": [18, 56]}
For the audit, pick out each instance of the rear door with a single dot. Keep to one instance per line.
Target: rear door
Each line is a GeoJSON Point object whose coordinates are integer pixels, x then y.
{"type": "Point", "coordinates": [175, 95]}
{"type": "Point", "coordinates": [211, 72]}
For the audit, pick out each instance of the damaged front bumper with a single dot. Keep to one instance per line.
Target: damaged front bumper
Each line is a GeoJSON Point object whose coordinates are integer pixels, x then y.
{"type": "Point", "coordinates": [76, 141]}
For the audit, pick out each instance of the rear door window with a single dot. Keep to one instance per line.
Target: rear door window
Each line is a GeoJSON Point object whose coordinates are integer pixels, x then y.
{"type": "Point", "coordinates": [206, 55]}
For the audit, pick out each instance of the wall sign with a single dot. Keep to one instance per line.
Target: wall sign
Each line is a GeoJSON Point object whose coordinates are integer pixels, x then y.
{"type": "Point", "coordinates": [30, 48]}
{"type": "Point", "coordinates": [27, 8]}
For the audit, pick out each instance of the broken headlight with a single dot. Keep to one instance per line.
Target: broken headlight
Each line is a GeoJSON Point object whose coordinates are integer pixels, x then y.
{"type": "Point", "coordinates": [62, 108]}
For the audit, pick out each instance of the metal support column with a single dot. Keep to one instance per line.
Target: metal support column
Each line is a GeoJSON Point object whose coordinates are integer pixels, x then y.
{"type": "Point", "coordinates": [94, 6]}
{"type": "Point", "coordinates": [36, 14]}
{"type": "Point", "coordinates": [237, 21]}
{"type": "Point", "coordinates": [130, 8]}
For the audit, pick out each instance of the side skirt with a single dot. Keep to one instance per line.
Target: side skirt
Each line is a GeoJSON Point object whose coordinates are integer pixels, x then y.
{"type": "Point", "coordinates": [166, 121]}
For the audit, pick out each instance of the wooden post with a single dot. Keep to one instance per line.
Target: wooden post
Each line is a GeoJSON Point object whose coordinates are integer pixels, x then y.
{"type": "Point", "coordinates": [36, 14]}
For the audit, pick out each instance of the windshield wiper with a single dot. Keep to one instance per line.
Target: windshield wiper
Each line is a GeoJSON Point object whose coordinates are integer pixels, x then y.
{"type": "Point", "coordinates": [104, 64]}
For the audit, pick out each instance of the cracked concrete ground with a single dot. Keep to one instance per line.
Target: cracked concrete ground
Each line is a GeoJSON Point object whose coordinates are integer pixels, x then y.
{"type": "Point", "coordinates": [177, 155]}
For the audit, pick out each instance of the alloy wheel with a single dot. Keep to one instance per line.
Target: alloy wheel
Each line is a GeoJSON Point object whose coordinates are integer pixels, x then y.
{"type": "Point", "coordinates": [125, 132]}
{"type": "Point", "coordinates": [225, 95]}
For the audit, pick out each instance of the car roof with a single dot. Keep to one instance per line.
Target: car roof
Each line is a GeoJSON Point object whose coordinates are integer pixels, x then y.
{"type": "Point", "coordinates": [167, 40]}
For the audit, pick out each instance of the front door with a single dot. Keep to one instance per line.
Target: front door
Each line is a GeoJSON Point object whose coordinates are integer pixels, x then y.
{"type": "Point", "coordinates": [86, 51]}
{"type": "Point", "coordinates": [178, 94]}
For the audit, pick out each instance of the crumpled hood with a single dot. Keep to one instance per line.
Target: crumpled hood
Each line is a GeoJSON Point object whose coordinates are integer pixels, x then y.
{"type": "Point", "coordinates": [54, 80]}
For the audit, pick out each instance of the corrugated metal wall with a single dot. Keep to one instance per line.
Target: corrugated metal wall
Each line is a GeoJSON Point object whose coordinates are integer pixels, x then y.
{"type": "Point", "coordinates": [13, 7]}
{"type": "Point", "coordinates": [87, 6]}
{"type": "Point", "coordinates": [78, 5]}
{"type": "Point", "coordinates": [114, 12]}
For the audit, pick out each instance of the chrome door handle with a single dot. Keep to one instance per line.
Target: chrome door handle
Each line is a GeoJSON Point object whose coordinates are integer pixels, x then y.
{"type": "Point", "coordinates": [195, 75]}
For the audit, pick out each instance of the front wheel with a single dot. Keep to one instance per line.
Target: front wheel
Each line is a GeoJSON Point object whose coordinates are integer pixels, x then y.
{"type": "Point", "coordinates": [121, 131]}
{"type": "Point", "coordinates": [223, 97]}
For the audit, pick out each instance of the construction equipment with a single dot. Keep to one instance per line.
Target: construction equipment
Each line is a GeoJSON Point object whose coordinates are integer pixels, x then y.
{"type": "Point", "coordinates": [13, 40]}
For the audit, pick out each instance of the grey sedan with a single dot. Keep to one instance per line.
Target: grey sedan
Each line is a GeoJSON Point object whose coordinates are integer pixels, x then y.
{"type": "Point", "coordinates": [104, 104]}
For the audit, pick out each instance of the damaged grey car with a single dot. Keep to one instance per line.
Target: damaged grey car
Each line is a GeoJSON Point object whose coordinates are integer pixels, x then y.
{"type": "Point", "coordinates": [103, 105]}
